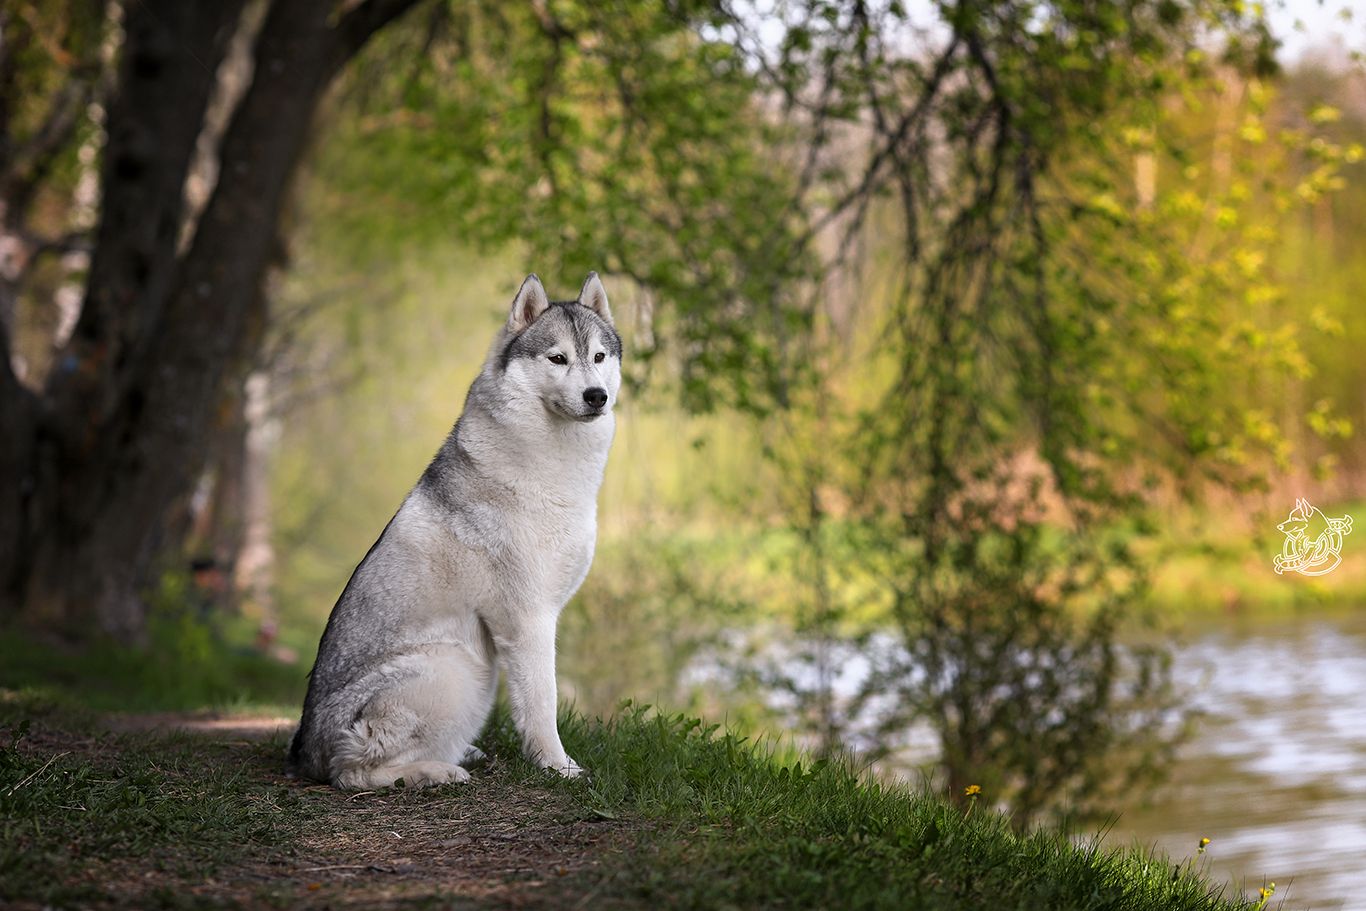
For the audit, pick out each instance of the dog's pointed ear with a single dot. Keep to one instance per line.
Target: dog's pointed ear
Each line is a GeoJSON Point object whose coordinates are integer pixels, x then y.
{"type": "Point", "coordinates": [530, 302]}
{"type": "Point", "coordinates": [594, 296]}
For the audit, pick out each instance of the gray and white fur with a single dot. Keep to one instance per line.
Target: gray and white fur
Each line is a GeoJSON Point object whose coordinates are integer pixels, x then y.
{"type": "Point", "coordinates": [470, 575]}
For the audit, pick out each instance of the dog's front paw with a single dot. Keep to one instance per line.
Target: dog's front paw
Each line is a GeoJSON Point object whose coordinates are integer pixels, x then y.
{"type": "Point", "coordinates": [565, 767]}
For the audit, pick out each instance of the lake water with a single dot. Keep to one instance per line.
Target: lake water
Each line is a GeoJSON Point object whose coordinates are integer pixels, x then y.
{"type": "Point", "coordinates": [1275, 775]}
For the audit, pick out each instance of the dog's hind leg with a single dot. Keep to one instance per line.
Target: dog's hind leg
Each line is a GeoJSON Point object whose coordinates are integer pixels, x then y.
{"type": "Point", "coordinates": [420, 726]}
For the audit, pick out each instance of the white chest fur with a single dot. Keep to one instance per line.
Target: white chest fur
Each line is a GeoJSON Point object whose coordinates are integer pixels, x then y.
{"type": "Point", "coordinates": [538, 524]}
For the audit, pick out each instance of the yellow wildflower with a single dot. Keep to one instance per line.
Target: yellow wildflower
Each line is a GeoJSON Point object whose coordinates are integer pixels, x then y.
{"type": "Point", "coordinates": [972, 790]}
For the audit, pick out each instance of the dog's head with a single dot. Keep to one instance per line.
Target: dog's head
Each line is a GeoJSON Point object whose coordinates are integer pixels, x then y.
{"type": "Point", "coordinates": [566, 354]}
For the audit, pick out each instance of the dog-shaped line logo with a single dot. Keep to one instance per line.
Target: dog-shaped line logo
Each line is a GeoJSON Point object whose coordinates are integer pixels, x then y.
{"type": "Point", "coordinates": [1313, 541]}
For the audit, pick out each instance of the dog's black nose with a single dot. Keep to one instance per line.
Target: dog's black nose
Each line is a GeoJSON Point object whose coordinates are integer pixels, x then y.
{"type": "Point", "coordinates": [596, 396]}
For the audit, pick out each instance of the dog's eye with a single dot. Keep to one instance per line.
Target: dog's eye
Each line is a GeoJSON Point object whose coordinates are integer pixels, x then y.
{"type": "Point", "coordinates": [598, 358]}
{"type": "Point", "coordinates": [559, 359]}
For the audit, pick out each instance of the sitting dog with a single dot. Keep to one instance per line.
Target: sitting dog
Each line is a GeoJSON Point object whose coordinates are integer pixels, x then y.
{"type": "Point", "coordinates": [473, 570]}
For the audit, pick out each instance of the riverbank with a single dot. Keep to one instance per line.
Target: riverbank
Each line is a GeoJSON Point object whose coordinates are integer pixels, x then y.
{"type": "Point", "coordinates": [100, 811]}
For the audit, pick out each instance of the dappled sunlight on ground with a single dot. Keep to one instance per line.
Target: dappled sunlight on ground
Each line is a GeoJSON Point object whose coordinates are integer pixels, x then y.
{"type": "Point", "coordinates": [249, 727]}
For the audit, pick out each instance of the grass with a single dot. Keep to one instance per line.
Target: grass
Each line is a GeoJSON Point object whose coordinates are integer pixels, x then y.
{"type": "Point", "coordinates": [78, 824]}
{"type": "Point", "coordinates": [751, 830]}
{"type": "Point", "coordinates": [676, 814]}
{"type": "Point", "coordinates": [186, 665]}
{"type": "Point", "coordinates": [166, 820]}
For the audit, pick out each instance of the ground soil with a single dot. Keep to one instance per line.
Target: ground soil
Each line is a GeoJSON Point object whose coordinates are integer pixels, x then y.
{"type": "Point", "coordinates": [492, 843]}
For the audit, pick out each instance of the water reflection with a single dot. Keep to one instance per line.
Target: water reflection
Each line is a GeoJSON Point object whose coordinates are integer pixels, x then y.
{"type": "Point", "coordinates": [1276, 776]}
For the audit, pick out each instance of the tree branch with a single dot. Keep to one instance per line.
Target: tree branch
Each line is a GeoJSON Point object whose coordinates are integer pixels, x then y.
{"type": "Point", "coordinates": [357, 26]}
{"type": "Point", "coordinates": [872, 174]}
{"type": "Point", "coordinates": [15, 40]}
{"type": "Point", "coordinates": [31, 162]}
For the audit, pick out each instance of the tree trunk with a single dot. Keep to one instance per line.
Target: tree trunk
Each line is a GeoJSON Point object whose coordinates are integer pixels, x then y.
{"type": "Point", "coordinates": [254, 570]}
{"type": "Point", "coordinates": [165, 79]}
{"type": "Point", "coordinates": [17, 418]}
{"type": "Point", "coordinates": [95, 464]}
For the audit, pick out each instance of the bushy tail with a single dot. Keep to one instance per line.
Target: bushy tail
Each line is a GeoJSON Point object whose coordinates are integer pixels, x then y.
{"type": "Point", "coordinates": [294, 760]}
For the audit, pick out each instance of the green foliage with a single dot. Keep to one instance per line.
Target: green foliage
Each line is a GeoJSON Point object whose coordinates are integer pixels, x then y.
{"type": "Point", "coordinates": [1319, 255]}
{"type": "Point", "coordinates": [1031, 689]}
{"type": "Point", "coordinates": [185, 664]}
{"type": "Point", "coordinates": [628, 140]}
{"type": "Point", "coordinates": [51, 64]}
{"type": "Point", "coordinates": [1065, 306]}
{"type": "Point", "coordinates": [379, 368]}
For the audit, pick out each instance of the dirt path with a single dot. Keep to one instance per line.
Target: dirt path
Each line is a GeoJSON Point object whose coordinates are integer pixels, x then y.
{"type": "Point", "coordinates": [497, 841]}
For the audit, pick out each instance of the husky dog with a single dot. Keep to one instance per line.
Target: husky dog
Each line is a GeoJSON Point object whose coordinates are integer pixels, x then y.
{"type": "Point", "coordinates": [473, 570]}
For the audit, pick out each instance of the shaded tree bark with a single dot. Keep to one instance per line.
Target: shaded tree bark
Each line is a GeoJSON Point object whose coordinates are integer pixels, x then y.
{"type": "Point", "coordinates": [90, 466]}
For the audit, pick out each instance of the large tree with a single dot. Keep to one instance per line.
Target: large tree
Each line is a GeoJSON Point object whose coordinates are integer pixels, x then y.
{"type": "Point", "coordinates": [93, 456]}
{"type": "Point", "coordinates": [627, 140]}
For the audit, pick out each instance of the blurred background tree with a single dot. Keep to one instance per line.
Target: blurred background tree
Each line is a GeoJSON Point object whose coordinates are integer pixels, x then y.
{"type": "Point", "coordinates": [1073, 285]}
